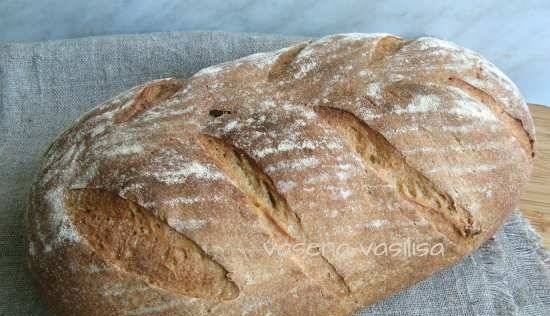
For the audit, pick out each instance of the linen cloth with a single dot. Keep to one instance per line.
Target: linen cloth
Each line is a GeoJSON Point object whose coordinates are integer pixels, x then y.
{"type": "Point", "coordinates": [45, 86]}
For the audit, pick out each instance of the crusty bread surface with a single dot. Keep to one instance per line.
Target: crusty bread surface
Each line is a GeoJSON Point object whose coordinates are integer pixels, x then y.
{"type": "Point", "coordinates": [270, 185]}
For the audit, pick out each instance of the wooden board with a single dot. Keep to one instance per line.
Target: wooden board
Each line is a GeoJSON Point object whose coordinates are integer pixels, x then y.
{"type": "Point", "coordinates": [535, 201]}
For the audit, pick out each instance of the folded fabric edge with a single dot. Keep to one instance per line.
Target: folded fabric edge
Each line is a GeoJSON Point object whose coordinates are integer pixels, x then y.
{"type": "Point", "coordinates": [109, 37]}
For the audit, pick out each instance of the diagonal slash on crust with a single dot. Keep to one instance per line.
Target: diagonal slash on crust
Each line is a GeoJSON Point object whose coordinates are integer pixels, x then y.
{"type": "Point", "coordinates": [515, 126]}
{"type": "Point", "coordinates": [273, 211]}
{"type": "Point", "coordinates": [388, 164]}
{"type": "Point", "coordinates": [130, 237]}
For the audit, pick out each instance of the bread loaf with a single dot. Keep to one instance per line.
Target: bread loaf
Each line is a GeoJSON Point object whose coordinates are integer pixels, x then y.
{"type": "Point", "coordinates": [313, 180]}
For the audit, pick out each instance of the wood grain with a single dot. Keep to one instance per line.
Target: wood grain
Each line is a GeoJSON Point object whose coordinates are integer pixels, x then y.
{"type": "Point", "coordinates": [535, 201]}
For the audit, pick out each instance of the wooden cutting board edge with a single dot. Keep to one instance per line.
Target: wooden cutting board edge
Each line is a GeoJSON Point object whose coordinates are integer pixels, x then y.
{"type": "Point", "coordinates": [535, 199]}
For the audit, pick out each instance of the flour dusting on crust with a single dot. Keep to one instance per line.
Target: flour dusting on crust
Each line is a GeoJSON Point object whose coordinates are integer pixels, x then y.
{"type": "Point", "coordinates": [415, 128]}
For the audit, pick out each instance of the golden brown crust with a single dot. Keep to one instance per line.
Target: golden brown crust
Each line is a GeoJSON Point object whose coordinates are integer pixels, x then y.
{"type": "Point", "coordinates": [261, 183]}
{"type": "Point", "coordinates": [128, 237]}
{"type": "Point", "coordinates": [149, 96]}
{"type": "Point", "coordinates": [387, 163]}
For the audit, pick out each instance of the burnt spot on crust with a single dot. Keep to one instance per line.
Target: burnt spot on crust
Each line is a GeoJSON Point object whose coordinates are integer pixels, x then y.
{"type": "Point", "coordinates": [218, 113]}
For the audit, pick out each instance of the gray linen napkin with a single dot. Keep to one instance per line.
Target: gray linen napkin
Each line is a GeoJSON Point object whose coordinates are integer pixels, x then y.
{"type": "Point", "coordinates": [45, 86]}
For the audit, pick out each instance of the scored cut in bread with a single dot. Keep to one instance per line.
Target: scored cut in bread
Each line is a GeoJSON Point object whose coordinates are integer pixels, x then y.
{"type": "Point", "coordinates": [272, 184]}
